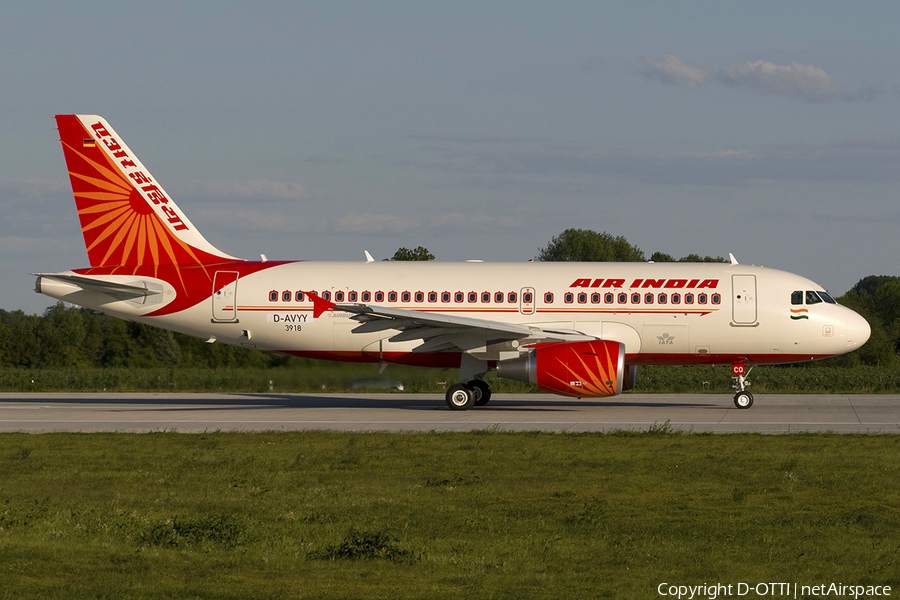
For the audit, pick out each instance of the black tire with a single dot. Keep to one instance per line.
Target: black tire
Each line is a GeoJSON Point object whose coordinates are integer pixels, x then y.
{"type": "Point", "coordinates": [743, 400]}
{"type": "Point", "coordinates": [481, 390]}
{"type": "Point", "coordinates": [459, 397]}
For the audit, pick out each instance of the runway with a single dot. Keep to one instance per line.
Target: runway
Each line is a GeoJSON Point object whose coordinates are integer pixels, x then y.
{"type": "Point", "coordinates": [190, 413]}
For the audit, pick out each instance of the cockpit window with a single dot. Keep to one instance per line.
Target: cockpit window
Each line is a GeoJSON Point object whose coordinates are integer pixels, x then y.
{"type": "Point", "coordinates": [827, 297]}
{"type": "Point", "coordinates": [797, 297]}
{"type": "Point", "coordinates": [812, 297]}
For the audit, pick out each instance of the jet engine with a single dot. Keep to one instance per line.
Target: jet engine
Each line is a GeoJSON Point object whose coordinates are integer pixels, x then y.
{"type": "Point", "coordinates": [586, 369]}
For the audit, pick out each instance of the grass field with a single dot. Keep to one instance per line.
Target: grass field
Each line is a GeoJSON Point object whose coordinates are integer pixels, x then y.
{"type": "Point", "coordinates": [449, 515]}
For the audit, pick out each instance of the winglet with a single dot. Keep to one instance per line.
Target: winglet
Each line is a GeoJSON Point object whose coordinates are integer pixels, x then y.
{"type": "Point", "coordinates": [320, 305]}
{"type": "Point", "coordinates": [733, 259]}
{"type": "Point", "coordinates": [368, 257]}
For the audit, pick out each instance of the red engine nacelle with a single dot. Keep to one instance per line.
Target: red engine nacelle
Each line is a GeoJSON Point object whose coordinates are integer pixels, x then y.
{"type": "Point", "coordinates": [589, 369]}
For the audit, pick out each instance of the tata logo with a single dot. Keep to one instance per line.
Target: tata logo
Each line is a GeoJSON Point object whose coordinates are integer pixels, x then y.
{"type": "Point", "coordinates": [667, 284]}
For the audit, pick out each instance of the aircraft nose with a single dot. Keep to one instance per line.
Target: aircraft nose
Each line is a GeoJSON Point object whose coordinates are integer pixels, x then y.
{"type": "Point", "coordinates": [858, 330]}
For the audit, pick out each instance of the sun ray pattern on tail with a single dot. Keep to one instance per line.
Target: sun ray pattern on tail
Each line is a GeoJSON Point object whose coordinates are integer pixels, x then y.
{"type": "Point", "coordinates": [122, 229]}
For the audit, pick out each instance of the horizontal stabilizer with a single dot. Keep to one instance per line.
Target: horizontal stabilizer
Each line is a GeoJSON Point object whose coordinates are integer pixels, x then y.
{"type": "Point", "coordinates": [113, 288]}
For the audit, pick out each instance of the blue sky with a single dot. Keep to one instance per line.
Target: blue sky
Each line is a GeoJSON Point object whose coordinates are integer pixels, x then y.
{"type": "Point", "coordinates": [480, 130]}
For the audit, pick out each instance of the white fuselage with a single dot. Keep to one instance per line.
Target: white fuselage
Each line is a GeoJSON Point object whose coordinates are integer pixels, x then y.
{"type": "Point", "coordinates": [664, 313]}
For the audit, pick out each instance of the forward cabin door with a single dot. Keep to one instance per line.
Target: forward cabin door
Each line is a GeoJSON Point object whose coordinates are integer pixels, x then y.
{"type": "Point", "coordinates": [224, 297]}
{"type": "Point", "coordinates": [743, 299]}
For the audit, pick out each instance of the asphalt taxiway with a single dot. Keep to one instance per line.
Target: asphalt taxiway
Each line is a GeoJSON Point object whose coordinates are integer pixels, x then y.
{"type": "Point", "coordinates": [188, 413]}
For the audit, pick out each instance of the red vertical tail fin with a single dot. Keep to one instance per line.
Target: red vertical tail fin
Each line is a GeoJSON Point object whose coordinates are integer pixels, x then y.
{"type": "Point", "coordinates": [127, 218]}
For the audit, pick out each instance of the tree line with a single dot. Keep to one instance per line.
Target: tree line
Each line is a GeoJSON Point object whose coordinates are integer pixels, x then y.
{"type": "Point", "coordinates": [76, 337]}
{"type": "Point", "coordinates": [67, 336]}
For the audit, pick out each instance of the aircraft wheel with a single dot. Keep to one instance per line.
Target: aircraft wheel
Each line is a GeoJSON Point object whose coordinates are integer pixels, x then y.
{"type": "Point", "coordinates": [481, 390]}
{"type": "Point", "coordinates": [459, 397]}
{"type": "Point", "coordinates": [743, 399]}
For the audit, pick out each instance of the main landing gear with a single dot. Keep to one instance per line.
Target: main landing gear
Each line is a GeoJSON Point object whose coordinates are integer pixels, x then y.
{"type": "Point", "coordinates": [463, 396]}
{"type": "Point", "coordinates": [474, 392]}
{"type": "Point", "coordinates": [743, 398]}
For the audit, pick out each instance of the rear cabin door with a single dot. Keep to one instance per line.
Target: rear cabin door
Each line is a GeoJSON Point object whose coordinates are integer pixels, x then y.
{"type": "Point", "coordinates": [743, 299]}
{"type": "Point", "coordinates": [224, 297]}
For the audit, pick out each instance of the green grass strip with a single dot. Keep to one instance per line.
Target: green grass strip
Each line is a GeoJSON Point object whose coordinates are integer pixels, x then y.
{"type": "Point", "coordinates": [441, 515]}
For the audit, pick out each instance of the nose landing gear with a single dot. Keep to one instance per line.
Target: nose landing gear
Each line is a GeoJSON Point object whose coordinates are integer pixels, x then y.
{"type": "Point", "coordinates": [743, 398]}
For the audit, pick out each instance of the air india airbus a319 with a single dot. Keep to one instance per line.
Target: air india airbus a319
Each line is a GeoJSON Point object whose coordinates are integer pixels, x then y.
{"type": "Point", "coordinates": [574, 329]}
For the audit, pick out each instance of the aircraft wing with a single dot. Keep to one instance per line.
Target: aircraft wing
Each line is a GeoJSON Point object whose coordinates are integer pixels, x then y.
{"type": "Point", "coordinates": [440, 332]}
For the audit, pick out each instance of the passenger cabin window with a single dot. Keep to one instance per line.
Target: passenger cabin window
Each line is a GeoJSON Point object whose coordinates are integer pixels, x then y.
{"type": "Point", "coordinates": [298, 296]}
{"type": "Point", "coordinates": [688, 298]}
{"type": "Point", "coordinates": [286, 296]}
{"type": "Point", "coordinates": [432, 296]}
{"type": "Point", "coordinates": [445, 297]}
{"type": "Point", "coordinates": [635, 298]}
{"type": "Point", "coordinates": [326, 296]}
{"type": "Point", "coordinates": [548, 298]}
{"type": "Point", "coordinates": [366, 296]}
{"type": "Point", "coordinates": [595, 298]}
{"type": "Point", "coordinates": [392, 296]}
{"type": "Point", "coordinates": [648, 298]}
{"type": "Point", "coordinates": [498, 297]}
{"type": "Point", "coordinates": [569, 297]}
{"type": "Point", "coordinates": [351, 297]}
{"type": "Point", "coordinates": [420, 297]}
{"type": "Point", "coordinates": [608, 298]}
{"type": "Point", "coordinates": [379, 296]}
{"type": "Point", "coordinates": [512, 298]}
{"type": "Point", "coordinates": [662, 298]}
{"type": "Point", "coordinates": [623, 298]}
{"type": "Point", "coordinates": [473, 297]}
{"type": "Point", "coordinates": [459, 297]}
{"type": "Point", "coordinates": [485, 297]}
{"type": "Point", "coordinates": [812, 297]}
{"type": "Point", "coordinates": [339, 296]}
{"type": "Point", "coordinates": [273, 296]}
{"type": "Point", "coordinates": [405, 296]}
{"type": "Point", "coordinates": [676, 298]}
